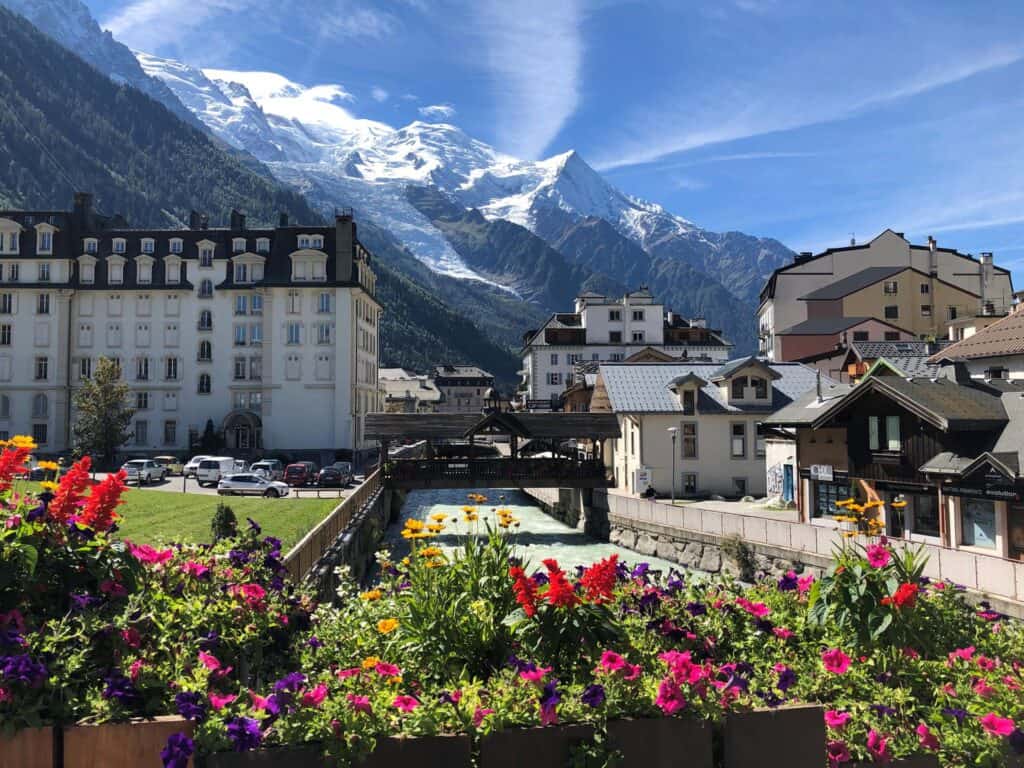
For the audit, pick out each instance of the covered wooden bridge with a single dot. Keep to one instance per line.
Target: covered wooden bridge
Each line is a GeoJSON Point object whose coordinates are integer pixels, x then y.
{"type": "Point", "coordinates": [558, 437]}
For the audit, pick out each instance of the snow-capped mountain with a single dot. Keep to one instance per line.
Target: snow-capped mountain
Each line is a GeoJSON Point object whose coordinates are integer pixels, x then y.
{"type": "Point", "coordinates": [309, 137]}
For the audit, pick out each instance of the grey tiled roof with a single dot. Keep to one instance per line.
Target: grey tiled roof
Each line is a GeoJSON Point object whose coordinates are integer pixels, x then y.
{"type": "Point", "coordinates": [806, 408]}
{"type": "Point", "coordinates": [854, 282]}
{"type": "Point", "coordinates": [823, 326]}
{"type": "Point", "coordinates": [911, 357]}
{"type": "Point", "coordinates": [644, 387]}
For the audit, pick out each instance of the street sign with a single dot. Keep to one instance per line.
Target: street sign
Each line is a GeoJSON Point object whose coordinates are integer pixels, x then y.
{"type": "Point", "coordinates": [821, 472]}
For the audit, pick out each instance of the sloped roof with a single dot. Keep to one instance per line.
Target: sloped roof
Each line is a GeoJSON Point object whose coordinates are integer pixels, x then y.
{"type": "Point", "coordinates": [1003, 337]}
{"type": "Point", "coordinates": [644, 387]}
{"type": "Point", "coordinates": [853, 283]}
{"type": "Point", "coordinates": [734, 366]}
{"type": "Point", "coordinates": [458, 426]}
{"type": "Point", "coordinates": [824, 326]}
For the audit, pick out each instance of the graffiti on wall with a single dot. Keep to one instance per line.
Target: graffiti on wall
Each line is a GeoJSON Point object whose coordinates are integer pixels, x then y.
{"type": "Point", "coordinates": [775, 480]}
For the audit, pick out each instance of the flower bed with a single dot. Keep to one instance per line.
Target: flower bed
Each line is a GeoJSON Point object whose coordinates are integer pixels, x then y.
{"type": "Point", "coordinates": [589, 666]}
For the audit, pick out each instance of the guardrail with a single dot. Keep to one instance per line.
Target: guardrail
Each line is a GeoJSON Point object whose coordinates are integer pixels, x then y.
{"type": "Point", "coordinates": [301, 558]}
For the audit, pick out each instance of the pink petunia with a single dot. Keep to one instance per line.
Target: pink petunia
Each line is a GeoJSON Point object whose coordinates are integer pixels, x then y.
{"type": "Point", "coordinates": [405, 703]}
{"type": "Point", "coordinates": [611, 661]}
{"type": "Point", "coordinates": [926, 738]}
{"type": "Point", "coordinates": [131, 637]}
{"type": "Point", "coordinates": [836, 720]}
{"type": "Point", "coordinates": [194, 568]}
{"type": "Point", "coordinates": [136, 669]}
{"type": "Point", "coordinates": [479, 714]}
{"type": "Point", "coordinates": [209, 661]}
{"type": "Point", "coordinates": [878, 556]}
{"type": "Point", "coordinates": [148, 555]}
{"type": "Point", "coordinates": [782, 633]}
{"type": "Point", "coordinates": [758, 610]}
{"type": "Point", "coordinates": [259, 702]}
{"type": "Point", "coordinates": [219, 701]}
{"type": "Point", "coordinates": [838, 753]}
{"type": "Point", "coordinates": [360, 703]}
{"type": "Point", "coordinates": [315, 697]}
{"type": "Point", "coordinates": [804, 583]}
{"type": "Point", "coordinates": [343, 674]}
{"type": "Point", "coordinates": [670, 697]}
{"type": "Point", "coordinates": [995, 725]}
{"type": "Point", "coordinates": [963, 654]}
{"type": "Point", "coordinates": [983, 689]}
{"type": "Point", "coordinates": [835, 661]}
{"type": "Point", "coordinates": [985, 663]}
{"type": "Point", "coordinates": [632, 672]}
{"type": "Point", "coordinates": [910, 653]}
{"type": "Point", "coordinates": [387, 670]}
{"type": "Point", "coordinates": [534, 675]}
{"type": "Point", "coordinates": [878, 747]}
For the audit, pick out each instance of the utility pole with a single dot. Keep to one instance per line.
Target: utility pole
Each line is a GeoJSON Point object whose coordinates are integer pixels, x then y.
{"type": "Point", "coordinates": [674, 431]}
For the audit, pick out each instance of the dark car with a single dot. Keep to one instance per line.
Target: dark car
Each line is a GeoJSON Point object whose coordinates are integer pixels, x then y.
{"type": "Point", "coordinates": [337, 475]}
{"type": "Point", "coordinates": [300, 473]}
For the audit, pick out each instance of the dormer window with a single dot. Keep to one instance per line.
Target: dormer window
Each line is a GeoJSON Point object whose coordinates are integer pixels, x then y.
{"type": "Point", "coordinates": [87, 270]}
{"type": "Point", "coordinates": [884, 433]}
{"type": "Point", "coordinates": [206, 257]}
{"type": "Point", "coordinates": [44, 241]}
{"type": "Point", "coordinates": [689, 397]}
{"type": "Point", "coordinates": [263, 245]}
{"type": "Point", "coordinates": [311, 241]}
{"type": "Point", "coordinates": [175, 245]}
{"type": "Point", "coordinates": [91, 245]}
{"type": "Point", "coordinates": [119, 245]}
{"type": "Point", "coordinates": [739, 386]}
{"type": "Point", "coordinates": [115, 271]}
{"type": "Point", "coordinates": [238, 245]}
{"type": "Point", "coordinates": [172, 270]}
{"type": "Point", "coordinates": [10, 237]}
{"type": "Point", "coordinates": [144, 270]}
{"type": "Point", "coordinates": [760, 387]}
{"type": "Point", "coordinates": [147, 245]}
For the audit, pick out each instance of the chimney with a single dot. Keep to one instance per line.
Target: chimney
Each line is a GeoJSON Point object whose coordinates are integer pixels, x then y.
{"type": "Point", "coordinates": [282, 220]}
{"type": "Point", "coordinates": [193, 219]}
{"type": "Point", "coordinates": [986, 272]}
{"type": "Point", "coordinates": [901, 235]}
{"type": "Point", "coordinates": [237, 221]}
{"type": "Point", "coordinates": [931, 243]}
{"type": "Point", "coordinates": [204, 221]}
{"type": "Point", "coordinates": [817, 383]}
{"type": "Point", "coordinates": [803, 256]}
{"type": "Point", "coordinates": [344, 245]}
{"type": "Point", "coordinates": [84, 216]}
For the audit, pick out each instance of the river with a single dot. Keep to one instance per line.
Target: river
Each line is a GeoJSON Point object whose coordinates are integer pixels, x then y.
{"type": "Point", "coordinates": [539, 536]}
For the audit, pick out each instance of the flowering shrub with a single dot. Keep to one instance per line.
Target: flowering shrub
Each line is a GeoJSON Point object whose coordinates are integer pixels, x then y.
{"type": "Point", "coordinates": [471, 639]}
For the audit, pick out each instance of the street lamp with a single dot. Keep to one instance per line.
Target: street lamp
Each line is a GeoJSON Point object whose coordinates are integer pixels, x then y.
{"type": "Point", "coordinates": [674, 431]}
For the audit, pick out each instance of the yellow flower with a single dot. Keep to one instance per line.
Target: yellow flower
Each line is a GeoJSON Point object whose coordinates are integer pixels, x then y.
{"type": "Point", "coordinates": [386, 626]}
{"type": "Point", "coordinates": [414, 525]}
{"type": "Point", "coordinates": [430, 552]}
{"type": "Point", "coordinates": [373, 594]}
{"type": "Point", "coordinates": [23, 441]}
{"type": "Point", "coordinates": [898, 504]}
{"type": "Point", "coordinates": [470, 517]}
{"type": "Point", "coordinates": [405, 562]}
{"type": "Point", "coordinates": [53, 466]}
{"type": "Point", "coordinates": [435, 528]}
{"type": "Point", "coordinates": [370, 662]}
{"type": "Point", "coordinates": [468, 510]}
{"type": "Point", "coordinates": [48, 485]}
{"type": "Point", "coordinates": [438, 516]}
{"type": "Point", "coordinates": [434, 564]}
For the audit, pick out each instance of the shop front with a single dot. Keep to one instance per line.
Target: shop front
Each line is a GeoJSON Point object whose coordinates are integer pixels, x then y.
{"type": "Point", "coordinates": [987, 518]}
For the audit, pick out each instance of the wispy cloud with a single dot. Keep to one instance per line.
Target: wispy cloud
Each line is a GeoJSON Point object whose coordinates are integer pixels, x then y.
{"type": "Point", "coordinates": [152, 24]}
{"type": "Point", "coordinates": [534, 52]}
{"type": "Point", "coordinates": [438, 112]}
{"type": "Point", "coordinates": [356, 22]}
{"type": "Point", "coordinates": [688, 183]}
{"type": "Point", "coordinates": [379, 94]}
{"type": "Point", "coordinates": [739, 110]}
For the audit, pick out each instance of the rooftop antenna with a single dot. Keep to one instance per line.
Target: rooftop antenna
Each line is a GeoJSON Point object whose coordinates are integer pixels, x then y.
{"type": "Point", "coordinates": [853, 239]}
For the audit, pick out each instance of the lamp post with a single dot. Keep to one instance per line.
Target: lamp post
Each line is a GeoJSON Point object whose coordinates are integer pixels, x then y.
{"type": "Point", "coordinates": [674, 431]}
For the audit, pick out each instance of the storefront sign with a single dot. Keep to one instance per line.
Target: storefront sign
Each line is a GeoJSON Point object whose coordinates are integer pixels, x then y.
{"type": "Point", "coordinates": [821, 472]}
{"type": "Point", "coordinates": [988, 492]}
{"type": "Point", "coordinates": [892, 485]}
{"type": "Point", "coordinates": [641, 480]}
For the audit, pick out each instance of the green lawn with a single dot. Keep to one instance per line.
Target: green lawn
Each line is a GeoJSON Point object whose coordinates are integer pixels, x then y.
{"type": "Point", "coordinates": [161, 516]}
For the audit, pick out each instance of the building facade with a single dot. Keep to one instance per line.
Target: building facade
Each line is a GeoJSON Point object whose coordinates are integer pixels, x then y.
{"type": "Point", "coordinates": [918, 288]}
{"type": "Point", "coordinates": [403, 391]}
{"type": "Point", "coordinates": [607, 330]}
{"type": "Point", "coordinates": [993, 351]}
{"type": "Point", "coordinates": [270, 334]}
{"type": "Point", "coordinates": [712, 410]}
{"type": "Point", "coordinates": [463, 388]}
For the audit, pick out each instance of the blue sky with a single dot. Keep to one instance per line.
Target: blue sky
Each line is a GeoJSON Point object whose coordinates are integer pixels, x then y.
{"type": "Point", "coordinates": [805, 121]}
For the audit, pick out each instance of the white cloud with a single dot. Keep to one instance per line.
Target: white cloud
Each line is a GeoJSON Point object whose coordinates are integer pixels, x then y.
{"type": "Point", "coordinates": [534, 51]}
{"type": "Point", "coordinates": [688, 183]}
{"type": "Point", "coordinates": [744, 109]}
{"type": "Point", "coordinates": [438, 112]}
{"type": "Point", "coordinates": [152, 24]}
{"type": "Point", "coordinates": [348, 22]}
{"type": "Point", "coordinates": [379, 94]}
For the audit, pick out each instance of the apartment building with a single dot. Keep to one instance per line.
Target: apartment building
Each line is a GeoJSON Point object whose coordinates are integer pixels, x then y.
{"type": "Point", "coordinates": [604, 329]}
{"type": "Point", "coordinates": [271, 334]}
{"type": "Point", "coordinates": [913, 289]}
{"type": "Point", "coordinates": [463, 388]}
{"type": "Point", "coordinates": [407, 392]}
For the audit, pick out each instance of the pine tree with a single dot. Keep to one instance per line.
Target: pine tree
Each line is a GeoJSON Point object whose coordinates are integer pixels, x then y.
{"type": "Point", "coordinates": [103, 413]}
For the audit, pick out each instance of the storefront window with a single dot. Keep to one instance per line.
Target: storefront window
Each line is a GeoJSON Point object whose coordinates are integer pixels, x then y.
{"type": "Point", "coordinates": [825, 497]}
{"type": "Point", "coordinates": [924, 514]}
{"type": "Point", "coordinates": [978, 523]}
{"type": "Point", "coordinates": [1016, 520]}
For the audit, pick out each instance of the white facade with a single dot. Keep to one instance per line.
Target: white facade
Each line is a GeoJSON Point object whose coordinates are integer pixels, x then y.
{"type": "Point", "coordinates": [248, 329]}
{"type": "Point", "coordinates": [608, 330]}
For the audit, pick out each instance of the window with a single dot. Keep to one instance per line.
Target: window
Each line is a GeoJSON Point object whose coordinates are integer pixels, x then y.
{"type": "Point", "coordinates": [147, 245]}
{"type": "Point", "coordinates": [114, 304]}
{"type": "Point", "coordinates": [170, 432]}
{"type": "Point", "coordinates": [238, 244]}
{"type": "Point", "coordinates": [759, 446]}
{"type": "Point", "coordinates": [142, 401]}
{"type": "Point", "coordinates": [615, 357]}
{"type": "Point", "coordinates": [6, 304]}
{"type": "Point", "coordinates": [951, 312]}
{"type": "Point", "coordinates": [926, 310]}
{"type": "Point", "coordinates": [294, 333]}
{"type": "Point", "coordinates": [825, 496]}
{"type": "Point", "coordinates": [991, 373]}
{"type": "Point", "coordinates": [738, 443]}
{"type": "Point", "coordinates": [324, 303]}
{"type": "Point", "coordinates": [978, 523]}
{"type": "Point", "coordinates": [323, 333]}
{"type": "Point", "coordinates": [5, 335]}
{"type": "Point", "coordinates": [141, 432]}
{"type": "Point", "coordinates": [42, 368]}
{"type": "Point", "coordinates": [241, 273]}
{"type": "Point", "coordinates": [689, 439]}
{"type": "Point", "coordinates": [294, 302]}
{"type": "Point", "coordinates": [739, 486]}
{"type": "Point", "coordinates": [13, 271]}
{"type": "Point", "coordinates": [255, 368]}
{"type": "Point", "coordinates": [85, 368]}
{"type": "Point", "coordinates": [311, 241]}
{"type": "Point", "coordinates": [175, 245]}
{"type": "Point", "coordinates": [142, 334]}
{"type": "Point", "coordinates": [43, 304]}
{"type": "Point", "coordinates": [689, 401]}
{"type": "Point", "coordinates": [689, 483]}
{"type": "Point", "coordinates": [171, 369]}
{"type": "Point", "coordinates": [860, 336]}
{"type": "Point", "coordinates": [884, 433]}
{"type": "Point", "coordinates": [206, 257]}
{"type": "Point", "coordinates": [205, 320]}
{"type": "Point", "coordinates": [892, 287]}
{"type": "Point", "coordinates": [171, 336]}
{"type": "Point", "coordinates": [554, 379]}
{"type": "Point", "coordinates": [638, 337]}
{"type": "Point", "coordinates": [256, 305]}
{"type": "Point", "coordinates": [241, 304]}
{"type": "Point", "coordinates": [923, 514]}
{"type": "Point", "coordinates": [87, 273]}
{"type": "Point", "coordinates": [205, 288]}
{"type": "Point", "coordinates": [142, 369]}
{"type": "Point", "coordinates": [255, 333]}
{"type": "Point", "coordinates": [114, 335]}
{"type": "Point", "coordinates": [39, 433]}
{"type": "Point", "coordinates": [115, 272]}
{"type": "Point", "coordinates": [760, 387]}
{"type": "Point", "coordinates": [40, 407]}
{"type": "Point", "coordinates": [204, 384]}
{"type": "Point", "coordinates": [614, 315]}
{"type": "Point", "coordinates": [925, 288]}
{"type": "Point", "coordinates": [554, 358]}
{"type": "Point", "coordinates": [90, 245]}
{"type": "Point", "coordinates": [43, 270]}
{"type": "Point", "coordinates": [239, 335]}
{"type": "Point", "coordinates": [205, 351]}
{"type": "Point", "coordinates": [293, 367]}
{"type": "Point", "coordinates": [615, 337]}
{"type": "Point", "coordinates": [172, 269]}
{"type": "Point", "coordinates": [118, 245]}
{"type": "Point", "coordinates": [144, 269]}
{"type": "Point", "coordinates": [892, 312]}
{"type": "Point", "coordinates": [638, 315]}
{"type": "Point", "coordinates": [263, 245]}
{"type": "Point", "coordinates": [170, 401]}
{"type": "Point", "coordinates": [5, 408]}
{"type": "Point", "coordinates": [240, 368]}
{"type": "Point", "coordinates": [739, 387]}
{"type": "Point", "coordinates": [892, 335]}
{"type": "Point", "coordinates": [45, 242]}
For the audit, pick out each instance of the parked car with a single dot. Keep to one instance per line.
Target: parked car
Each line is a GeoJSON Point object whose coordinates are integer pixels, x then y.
{"type": "Point", "coordinates": [212, 468]}
{"type": "Point", "coordinates": [144, 471]}
{"type": "Point", "coordinates": [189, 470]}
{"type": "Point", "coordinates": [273, 469]}
{"type": "Point", "coordinates": [337, 475]}
{"type": "Point", "coordinates": [300, 473]}
{"type": "Point", "coordinates": [170, 463]}
{"type": "Point", "coordinates": [251, 484]}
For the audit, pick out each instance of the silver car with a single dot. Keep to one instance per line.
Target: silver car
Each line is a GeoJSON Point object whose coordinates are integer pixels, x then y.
{"type": "Point", "coordinates": [249, 484]}
{"type": "Point", "coordinates": [144, 471]}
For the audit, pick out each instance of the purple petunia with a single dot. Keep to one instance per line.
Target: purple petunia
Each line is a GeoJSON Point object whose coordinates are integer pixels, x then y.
{"type": "Point", "coordinates": [178, 750]}
{"type": "Point", "coordinates": [22, 668]}
{"type": "Point", "coordinates": [787, 678]}
{"type": "Point", "coordinates": [640, 572]}
{"type": "Point", "coordinates": [593, 695]}
{"type": "Point", "coordinates": [696, 609]}
{"type": "Point", "coordinates": [254, 526]}
{"type": "Point", "coordinates": [238, 557]}
{"type": "Point", "coordinates": [1016, 740]}
{"type": "Point", "coordinates": [120, 689]}
{"type": "Point", "coordinates": [788, 582]}
{"type": "Point", "coordinates": [549, 699]}
{"type": "Point", "coordinates": [244, 734]}
{"type": "Point", "coordinates": [190, 706]}
{"type": "Point", "coordinates": [882, 710]}
{"type": "Point", "coordinates": [314, 642]}
{"type": "Point", "coordinates": [956, 712]}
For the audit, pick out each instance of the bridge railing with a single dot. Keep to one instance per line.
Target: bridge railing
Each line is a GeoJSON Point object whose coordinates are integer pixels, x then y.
{"type": "Point", "coordinates": [492, 472]}
{"type": "Point", "coordinates": [301, 558]}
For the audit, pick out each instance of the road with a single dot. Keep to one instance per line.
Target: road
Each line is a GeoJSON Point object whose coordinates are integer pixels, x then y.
{"type": "Point", "coordinates": [178, 484]}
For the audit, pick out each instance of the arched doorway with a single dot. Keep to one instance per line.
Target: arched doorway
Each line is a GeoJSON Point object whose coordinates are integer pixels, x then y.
{"type": "Point", "coordinates": [243, 433]}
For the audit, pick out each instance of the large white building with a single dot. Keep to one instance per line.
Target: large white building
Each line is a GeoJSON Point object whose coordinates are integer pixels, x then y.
{"type": "Point", "coordinates": [270, 334]}
{"type": "Point", "coordinates": [608, 330]}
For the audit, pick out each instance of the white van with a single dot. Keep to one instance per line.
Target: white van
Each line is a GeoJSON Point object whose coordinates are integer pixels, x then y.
{"type": "Point", "coordinates": [212, 468]}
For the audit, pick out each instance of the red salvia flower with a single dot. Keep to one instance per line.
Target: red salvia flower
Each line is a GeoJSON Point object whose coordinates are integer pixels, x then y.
{"type": "Point", "coordinates": [525, 589]}
{"type": "Point", "coordinates": [599, 580]}
{"type": "Point", "coordinates": [68, 497]}
{"type": "Point", "coordinates": [12, 462]}
{"type": "Point", "coordinates": [560, 592]}
{"type": "Point", "coordinates": [99, 513]}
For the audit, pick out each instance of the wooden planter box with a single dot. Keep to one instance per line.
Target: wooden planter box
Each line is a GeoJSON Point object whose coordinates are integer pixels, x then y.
{"type": "Point", "coordinates": [424, 752]}
{"type": "Point", "coordinates": [659, 742]}
{"type": "Point", "coordinates": [915, 761]}
{"type": "Point", "coordinates": [121, 745]}
{"type": "Point", "coordinates": [790, 736]}
{"type": "Point", "coordinates": [534, 747]}
{"type": "Point", "coordinates": [28, 748]}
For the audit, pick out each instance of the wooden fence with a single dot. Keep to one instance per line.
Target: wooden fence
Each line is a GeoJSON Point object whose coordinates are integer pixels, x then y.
{"type": "Point", "coordinates": [301, 558]}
